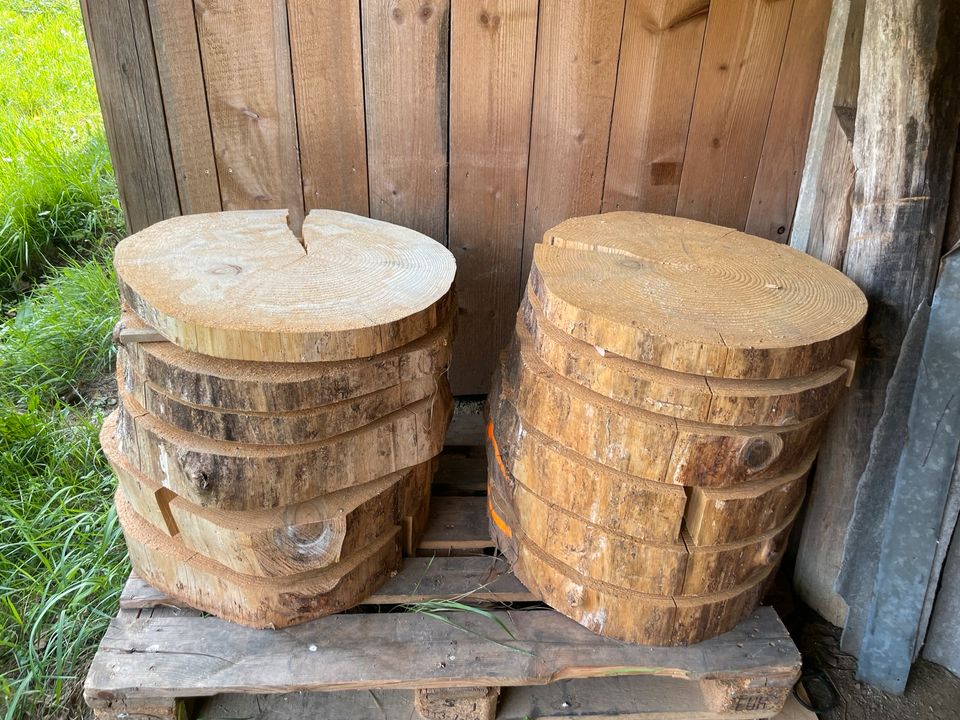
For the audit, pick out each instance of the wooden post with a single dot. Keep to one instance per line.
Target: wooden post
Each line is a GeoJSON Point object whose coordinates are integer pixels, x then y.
{"type": "Point", "coordinates": [468, 703]}
{"type": "Point", "coordinates": [904, 141]}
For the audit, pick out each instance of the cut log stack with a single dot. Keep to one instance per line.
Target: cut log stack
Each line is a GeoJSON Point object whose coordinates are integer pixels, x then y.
{"type": "Point", "coordinates": [282, 401]}
{"type": "Point", "coordinates": [654, 419]}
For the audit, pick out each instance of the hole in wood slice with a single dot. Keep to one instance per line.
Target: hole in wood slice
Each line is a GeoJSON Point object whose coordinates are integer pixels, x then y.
{"type": "Point", "coordinates": [258, 602]}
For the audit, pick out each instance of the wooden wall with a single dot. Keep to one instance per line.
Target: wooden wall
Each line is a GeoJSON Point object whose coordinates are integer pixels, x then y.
{"type": "Point", "coordinates": [481, 123]}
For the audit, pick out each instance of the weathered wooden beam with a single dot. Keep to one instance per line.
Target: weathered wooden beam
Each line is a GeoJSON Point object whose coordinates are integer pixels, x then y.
{"type": "Point", "coordinates": [904, 141]}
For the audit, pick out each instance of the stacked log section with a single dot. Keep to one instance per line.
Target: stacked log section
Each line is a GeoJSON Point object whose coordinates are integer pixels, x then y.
{"type": "Point", "coordinates": [282, 401]}
{"type": "Point", "coordinates": [653, 420]}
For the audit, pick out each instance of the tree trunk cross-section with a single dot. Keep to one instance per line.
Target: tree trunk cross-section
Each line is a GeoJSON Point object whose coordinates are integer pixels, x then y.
{"type": "Point", "coordinates": [240, 285]}
{"type": "Point", "coordinates": [694, 298]}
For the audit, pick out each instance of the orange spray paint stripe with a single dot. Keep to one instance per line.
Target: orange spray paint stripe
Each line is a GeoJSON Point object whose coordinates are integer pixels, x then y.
{"type": "Point", "coordinates": [494, 515]}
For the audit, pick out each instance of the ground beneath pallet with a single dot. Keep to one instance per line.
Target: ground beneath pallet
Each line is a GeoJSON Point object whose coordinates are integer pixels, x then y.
{"type": "Point", "coordinates": [932, 693]}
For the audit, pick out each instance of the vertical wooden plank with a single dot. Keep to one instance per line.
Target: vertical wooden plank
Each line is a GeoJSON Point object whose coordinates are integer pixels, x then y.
{"type": "Point", "coordinates": [185, 104]}
{"type": "Point", "coordinates": [578, 45]}
{"type": "Point", "coordinates": [121, 48]}
{"type": "Point", "coordinates": [328, 82]}
{"type": "Point", "coordinates": [246, 67]}
{"type": "Point", "coordinates": [405, 66]}
{"type": "Point", "coordinates": [785, 143]}
{"type": "Point", "coordinates": [493, 48]}
{"type": "Point", "coordinates": [738, 74]}
{"type": "Point", "coordinates": [656, 81]}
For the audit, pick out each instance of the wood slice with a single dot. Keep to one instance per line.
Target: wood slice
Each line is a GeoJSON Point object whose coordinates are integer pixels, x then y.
{"type": "Point", "coordinates": [282, 387]}
{"type": "Point", "coordinates": [239, 476]}
{"type": "Point", "coordinates": [721, 401]}
{"type": "Point", "coordinates": [277, 542]}
{"type": "Point", "coordinates": [254, 601]}
{"type": "Point", "coordinates": [695, 298]}
{"type": "Point", "coordinates": [615, 612]}
{"type": "Point", "coordinates": [640, 509]}
{"type": "Point", "coordinates": [644, 444]}
{"type": "Point", "coordinates": [240, 285]}
{"type": "Point", "coordinates": [723, 515]}
{"type": "Point", "coordinates": [298, 426]}
{"type": "Point", "coordinates": [625, 562]}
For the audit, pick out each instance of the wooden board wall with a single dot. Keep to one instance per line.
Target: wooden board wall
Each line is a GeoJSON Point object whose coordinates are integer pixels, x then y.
{"type": "Point", "coordinates": [481, 123]}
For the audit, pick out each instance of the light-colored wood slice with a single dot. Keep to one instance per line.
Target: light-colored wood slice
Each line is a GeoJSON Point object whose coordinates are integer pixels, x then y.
{"type": "Point", "coordinates": [640, 509]}
{"type": "Point", "coordinates": [492, 53]}
{"type": "Point", "coordinates": [624, 562]}
{"type": "Point", "coordinates": [739, 65]}
{"type": "Point", "coordinates": [578, 46]}
{"type": "Point", "coordinates": [723, 515]}
{"type": "Point", "coordinates": [257, 387]}
{"type": "Point", "coordinates": [239, 476]}
{"type": "Point", "coordinates": [240, 285]}
{"type": "Point", "coordinates": [616, 612]}
{"type": "Point", "coordinates": [254, 601]}
{"type": "Point", "coordinates": [268, 543]}
{"type": "Point", "coordinates": [721, 401]}
{"type": "Point", "coordinates": [647, 445]}
{"type": "Point", "coordinates": [656, 81]}
{"type": "Point", "coordinates": [299, 426]}
{"type": "Point", "coordinates": [695, 298]}
{"type": "Point", "coordinates": [406, 90]}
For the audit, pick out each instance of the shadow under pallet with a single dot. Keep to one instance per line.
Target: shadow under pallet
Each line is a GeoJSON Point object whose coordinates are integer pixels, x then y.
{"type": "Point", "coordinates": [518, 659]}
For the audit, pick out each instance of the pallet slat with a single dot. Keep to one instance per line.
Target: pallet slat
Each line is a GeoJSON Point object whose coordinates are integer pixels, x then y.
{"type": "Point", "coordinates": [201, 656]}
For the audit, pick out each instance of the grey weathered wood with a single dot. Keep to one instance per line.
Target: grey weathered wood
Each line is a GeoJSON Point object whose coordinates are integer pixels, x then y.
{"type": "Point", "coordinates": [915, 517]}
{"type": "Point", "coordinates": [202, 656]}
{"type": "Point", "coordinates": [905, 137]}
{"type": "Point", "coordinates": [624, 698]}
{"type": "Point", "coordinates": [475, 579]}
{"type": "Point", "coordinates": [457, 524]}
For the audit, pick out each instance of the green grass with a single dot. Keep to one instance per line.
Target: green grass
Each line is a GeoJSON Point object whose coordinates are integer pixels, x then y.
{"type": "Point", "coordinates": [62, 560]}
{"type": "Point", "coordinates": [57, 193]}
{"type": "Point", "coordinates": [61, 553]}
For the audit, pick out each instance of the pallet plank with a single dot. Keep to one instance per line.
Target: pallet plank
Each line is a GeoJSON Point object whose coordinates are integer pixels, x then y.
{"type": "Point", "coordinates": [493, 48]}
{"type": "Point", "coordinates": [630, 698]}
{"type": "Point", "coordinates": [656, 81]}
{"type": "Point", "coordinates": [742, 50]}
{"type": "Point", "coordinates": [456, 524]}
{"type": "Point", "coordinates": [405, 66]}
{"type": "Point", "coordinates": [328, 80]}
{"type": "Point", "coordinates": [190, 657]}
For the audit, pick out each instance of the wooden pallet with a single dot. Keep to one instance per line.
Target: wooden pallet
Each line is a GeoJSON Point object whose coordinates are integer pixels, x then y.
{"type": "Point", "coordinates": [159, 660]}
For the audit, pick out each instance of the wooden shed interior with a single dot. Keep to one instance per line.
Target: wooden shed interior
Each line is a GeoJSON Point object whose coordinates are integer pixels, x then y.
{"type": "Point", "coordinates": [482, 123]}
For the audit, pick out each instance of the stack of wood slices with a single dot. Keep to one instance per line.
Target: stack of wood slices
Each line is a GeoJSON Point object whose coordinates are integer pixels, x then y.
{"type": "Point", "coordinates": [282, 401]}
{"type": "Point", "coordinates": [654, 420]}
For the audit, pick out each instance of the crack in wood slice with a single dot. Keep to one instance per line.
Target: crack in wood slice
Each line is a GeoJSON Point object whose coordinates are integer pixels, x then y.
{"type": "Point", "coordinates": [254, 601]}
{"type": "Point", "coordinates": [268, 428]}
{"type": "Point", "coordinates": [279, 541]}
{"type": "Point", "coordinates": [720, 401]}
{"type": "Point", "coordinates": [675, 569]}
{"type": "Point", "coordinates": [239, 285]}
{"type": "Point", "coordinates": [261, 387]}
{"type": "Point", "coordinates": [647, 445]}
{"type": "Point", "coordinates": [695, 298]}
{"type": "Point", "coordinates": [617, 612]}
{"type": "Point", "coordinates": [239, 476]}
